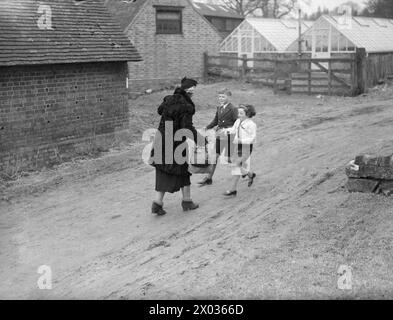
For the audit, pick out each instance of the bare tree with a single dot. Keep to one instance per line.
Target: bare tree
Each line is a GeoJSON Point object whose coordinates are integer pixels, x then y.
{"type": "Point", "coordinates": [243, 7]}
{"type": "Point", "coordinates": [268, 8]}
{"type": "Point", "coordinates": [379, 8]}
{"type": "Point", "coordinates": [282, 7]}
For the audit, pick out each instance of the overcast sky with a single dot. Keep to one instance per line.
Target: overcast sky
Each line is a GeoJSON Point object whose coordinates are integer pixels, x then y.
{"type": "Point", "coordinates": [330, 4]}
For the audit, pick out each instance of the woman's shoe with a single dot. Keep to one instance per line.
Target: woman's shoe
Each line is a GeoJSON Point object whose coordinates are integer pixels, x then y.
{"type": "Point", "coordinates": [157, 209]}
{"type": "Point", "coordinates": [230, 193]}
{"type": "Point", "coordinates": [189, 205]}
{"type": "Point", "coordinates": [251, 179]}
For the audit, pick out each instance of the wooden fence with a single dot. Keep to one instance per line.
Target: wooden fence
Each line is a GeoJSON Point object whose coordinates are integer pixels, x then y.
{"type": "Point", "coordinates": [379, 66]}
{"type": "Point", "coordinates": [334, 76]}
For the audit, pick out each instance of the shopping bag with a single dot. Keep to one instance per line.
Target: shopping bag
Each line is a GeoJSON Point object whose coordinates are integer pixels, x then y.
{"type": "Point", "coordinates": [199, 161]}
{"type": "Point", "coordinates": [199, 170]}
{"type": "Point", "coordinates": [200, 157]}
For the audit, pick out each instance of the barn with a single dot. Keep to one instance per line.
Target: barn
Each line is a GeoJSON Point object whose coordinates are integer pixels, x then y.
{"type": "Point", "coordinates": [170, 35]}
{"type": "Point", "coordinates": [63, 80]}
{"type": "Point", "coordinates": [256, 37]}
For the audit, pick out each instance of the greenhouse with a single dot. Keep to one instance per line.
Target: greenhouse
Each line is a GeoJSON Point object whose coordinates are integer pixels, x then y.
{"type": "Point", "coordinates": [336, 35]}
{"type": "Point", "coordinates": [255, 36]}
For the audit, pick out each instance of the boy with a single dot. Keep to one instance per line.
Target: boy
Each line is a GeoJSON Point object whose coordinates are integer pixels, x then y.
{"type": "Point", "coordinates": [226, 116]}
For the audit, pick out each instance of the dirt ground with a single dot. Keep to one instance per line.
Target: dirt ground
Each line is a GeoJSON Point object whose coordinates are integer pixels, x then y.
{"type": "Point", "coordinates": [283, 238]}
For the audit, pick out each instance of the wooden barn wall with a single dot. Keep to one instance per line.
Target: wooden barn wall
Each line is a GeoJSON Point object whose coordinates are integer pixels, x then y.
{"type": "Point", "coordinates": [378, 66]}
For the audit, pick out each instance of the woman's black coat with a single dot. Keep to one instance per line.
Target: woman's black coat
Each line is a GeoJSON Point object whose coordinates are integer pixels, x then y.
{"type": "Point", "coordinates": [177, 110]}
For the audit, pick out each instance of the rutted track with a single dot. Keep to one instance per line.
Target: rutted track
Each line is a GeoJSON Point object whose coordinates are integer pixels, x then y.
{"type": "Point", "coordinates": [283, 238]}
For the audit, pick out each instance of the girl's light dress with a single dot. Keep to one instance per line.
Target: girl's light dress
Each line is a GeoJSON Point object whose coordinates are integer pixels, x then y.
{"type": "Point", "coordinates": [245, 137]}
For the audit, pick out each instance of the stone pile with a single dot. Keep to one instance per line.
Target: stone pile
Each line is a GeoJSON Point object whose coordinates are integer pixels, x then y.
{"type": "Point", "coordinates": [368, 173]}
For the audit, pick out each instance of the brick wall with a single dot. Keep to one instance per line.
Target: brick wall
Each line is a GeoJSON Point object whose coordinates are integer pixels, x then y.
{"type": "Point", "coordinates": [49, 110]}
{"type": "Point", "coordinates": [168, 57]}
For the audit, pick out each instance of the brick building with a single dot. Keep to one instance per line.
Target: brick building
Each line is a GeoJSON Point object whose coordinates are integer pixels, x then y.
{"type": "Point", "coordinates": [63, 71]}
{"type": "Point", "coordinates": [171, 37]}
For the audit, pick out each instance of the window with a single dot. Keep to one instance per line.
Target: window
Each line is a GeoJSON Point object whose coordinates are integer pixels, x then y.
{"type": "Point", "coordinates": [308, 43]}
{"type": "Point", "coordinates": [321, 40]}
{"type": "Point", "coordinates": [351, 46]}
{"type": "Point", "coordinates": [168, 20]}
{"type": "Point", "coordinates": [343, 44]}
{"type": "Point", "coordinates": [325, 43]}
{"type": "Point", "coordinates": [335, 41]}
{"type": "Point", "coordinates": [219, 23]}
{"type": "Point", "coordinates": [230, 44]}
{"type": "Point", "coordinates": [246, 43]}
{"type": "Point", "coordinates": [231, 24]}
{"type": "Point", "coordinates": [257, 44]}
{"type": "Point", "coordinates": [318, 43]}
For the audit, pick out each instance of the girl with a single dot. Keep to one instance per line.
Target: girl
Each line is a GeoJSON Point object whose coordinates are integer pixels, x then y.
{"type": "Point", "coordinates": [245, 131]}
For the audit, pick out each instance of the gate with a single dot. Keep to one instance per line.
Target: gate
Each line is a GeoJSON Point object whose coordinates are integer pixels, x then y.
{"type": "Point", "coordinates": [328, 76]}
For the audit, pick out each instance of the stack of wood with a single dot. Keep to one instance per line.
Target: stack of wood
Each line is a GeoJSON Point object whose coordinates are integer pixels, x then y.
{"type": "Point", "coordinates": [372, 174]}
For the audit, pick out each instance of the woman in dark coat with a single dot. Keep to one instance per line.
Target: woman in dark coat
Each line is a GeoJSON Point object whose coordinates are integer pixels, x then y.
{"type": "Point", "coordinates": [172, 174]}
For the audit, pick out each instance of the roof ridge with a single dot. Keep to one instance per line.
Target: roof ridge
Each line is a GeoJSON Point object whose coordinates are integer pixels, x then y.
{"type": "Point", "coordinates": [124, 12]}
{"type": "Point", "coordinates": [218, 10]}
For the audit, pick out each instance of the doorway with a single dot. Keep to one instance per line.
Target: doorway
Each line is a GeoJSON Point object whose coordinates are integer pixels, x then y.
{"type": "Point", "coordinates": [246, 48]}
{"type": "Point", "coordinates": [321, 48]}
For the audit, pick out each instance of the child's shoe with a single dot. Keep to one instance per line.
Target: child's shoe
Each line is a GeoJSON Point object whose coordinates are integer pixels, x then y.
{"type": "Point", "coordinates": [230, 193]}
{"type": "Point", "coordinates": [251, 179]}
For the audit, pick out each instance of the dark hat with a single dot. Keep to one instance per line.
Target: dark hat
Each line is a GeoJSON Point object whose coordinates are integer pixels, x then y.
{"type": "Point", "coordinates": [188, 83]}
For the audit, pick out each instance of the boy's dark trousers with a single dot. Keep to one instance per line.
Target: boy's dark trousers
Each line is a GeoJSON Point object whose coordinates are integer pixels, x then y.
{"type": "Point", "coordinates": [224, 118]}
{"type": "Point", "coordinates": [225, 143]}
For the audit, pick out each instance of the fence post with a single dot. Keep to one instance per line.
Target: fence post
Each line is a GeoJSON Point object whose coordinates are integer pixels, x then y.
{"type": "Point", "coordinates": [289, 84]}
{"type": "Point", "coordinates": [354, 75]}
{"type": "Point", "coordinates": [309, 77]}
{"type": "Point", "coordinates": [205, 66]}
{"type": "Point", "coordinates": [244, 66]}
{"type": "Point", "coordinates": [330, 78]}
{"type": "Point", "coordinates": [361, 72]}
{"type": "Point", "coordinates": [275, 76]}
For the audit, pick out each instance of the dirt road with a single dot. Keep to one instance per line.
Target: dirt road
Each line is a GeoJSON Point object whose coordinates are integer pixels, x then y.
{"type": "Point", "coordinates": [283, 238]}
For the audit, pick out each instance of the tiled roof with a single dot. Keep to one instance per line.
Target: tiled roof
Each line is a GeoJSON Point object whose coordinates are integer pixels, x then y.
{"type": "Point", "coordinates": [124, 11]}
{"type": "Point", "coordinates": [279, 32]}
{"type": "Point", "coordinates": [82, 31]}
{"type": "Point", "coordinates": [211, 10]}
{"type": "Point", "coordinates": [373, 34]}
